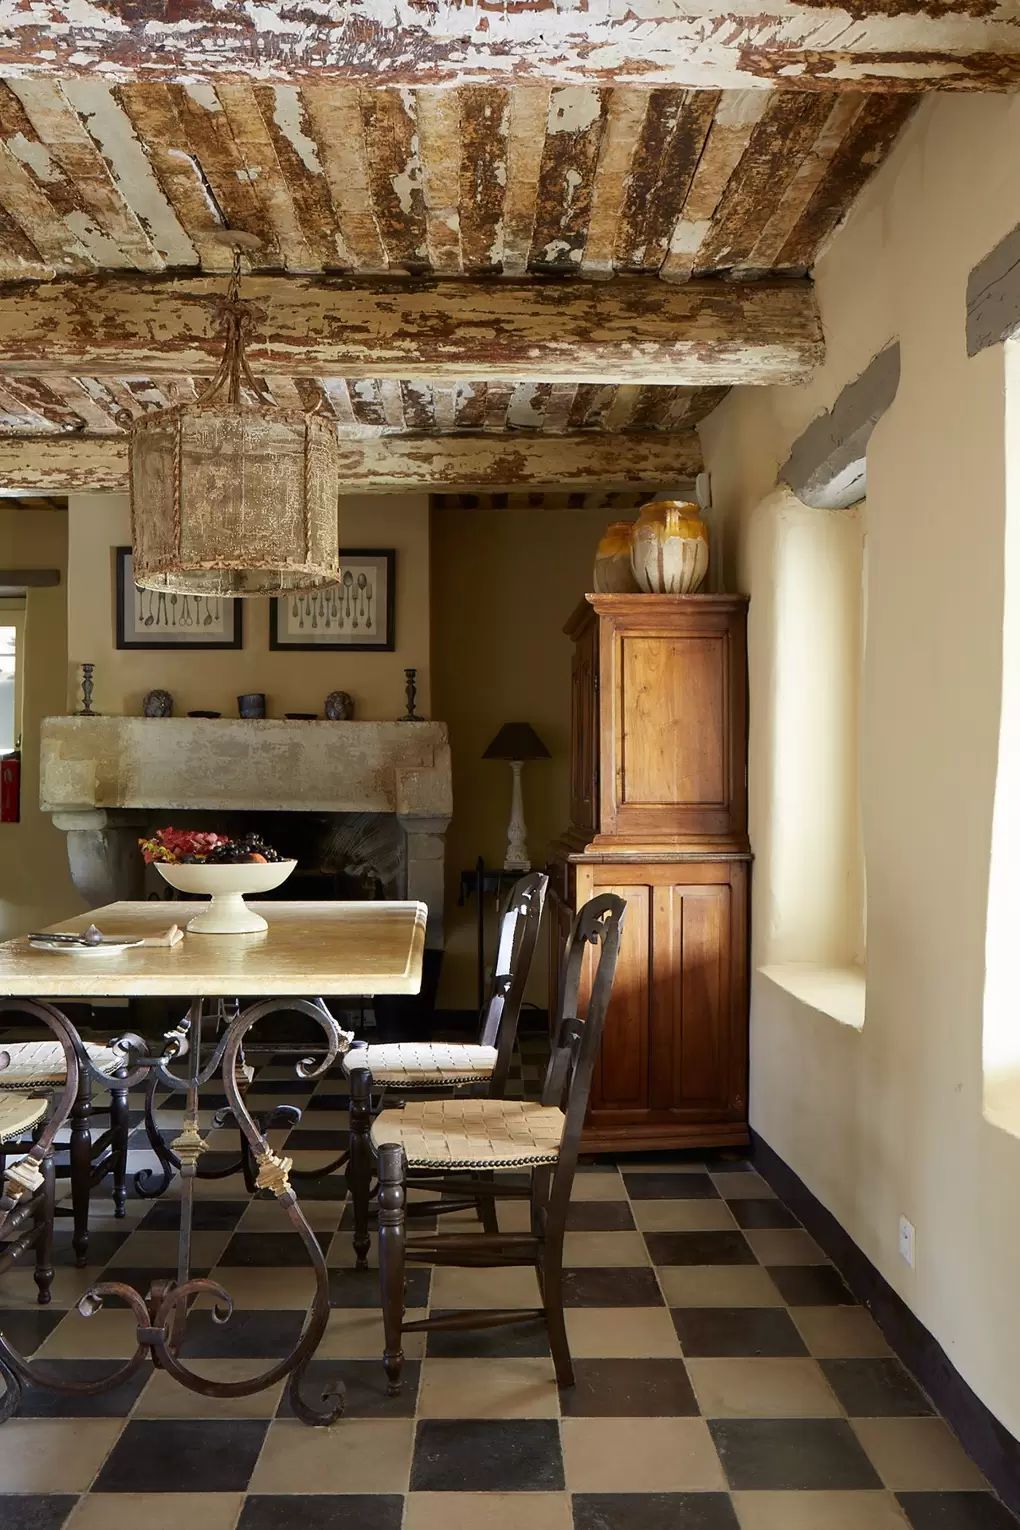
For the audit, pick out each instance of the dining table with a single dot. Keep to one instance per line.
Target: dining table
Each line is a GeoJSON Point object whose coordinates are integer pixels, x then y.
{"type": "Point", "coordinates": [308, 950]}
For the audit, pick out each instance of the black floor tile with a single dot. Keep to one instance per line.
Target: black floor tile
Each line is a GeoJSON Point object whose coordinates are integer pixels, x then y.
{"type": "Point", "coordinates": [249, 1334]}
{"type": "Point", "coordinates": [599, 1216]}
{"type": "Point", "coordinates": [206, 1216]}
{"type": "Point", "coordinates": [314, 1511]}
{"type": "Point", "coordinates": [629, 1389]}
{"type": "Point", "coordinates": [40, 1402]}
{"type": "Point", "coordinates": [309, 1139]}
{"type": "Point", "coordinates": [611, 1288]}
{"type": "Point", "coordinates": [875, 1389]}
{"type": "Point", "coordinates": [755, 1213]}
{"type": "Point", "coordinates": [453, 1455]}
{"type": "Point", "coordinates": [360, 1288]}
{"type": "Point", "coordinates": [265, 1250]}
{"type": "Point", "coordinates": [811, 1285]}
{"type": "Point", "coordinates": [512, 1341]}
{"type": "Point", "coordinates": [332, 1187]}
{"type": "Point", "coordinates": [182, 1456]}
{"type": "Point", "coordinates": [730, 1331]}
{"type": "Point", "coordinates": [326, 1101]}
{"type": "Point", "coordinates": [699, 1248]}
{"type": "Point", "coordinates": [365, 1388]}
{"type": "Point", "coordinates": [654, 1511]}
{"type": "Point", "coordinates": [664, 1186]}
{"type": "Point", "coordinates": [955, 1511]}
{"type": "Point", "coordinates": [780, 1454]}
{"type": "Point", "coordinates": [35, 1511]}
{"type": "Point", "coordinates": [26, 1328]}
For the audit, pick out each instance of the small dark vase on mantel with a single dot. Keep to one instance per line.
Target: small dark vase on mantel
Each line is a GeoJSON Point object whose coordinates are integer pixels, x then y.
{"type": "Point", "coordinates": [158, 704]}
{"type": "Point", "coordinates": [339, 706]}
{"type": "Point", "coordinates": [252, 705]}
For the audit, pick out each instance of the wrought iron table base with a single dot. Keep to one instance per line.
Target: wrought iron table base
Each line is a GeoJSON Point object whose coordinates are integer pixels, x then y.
{"type": "Point", "coordinates": [161, 1313]}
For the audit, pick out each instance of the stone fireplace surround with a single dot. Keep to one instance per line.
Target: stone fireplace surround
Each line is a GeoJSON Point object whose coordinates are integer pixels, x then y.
{"type": "Point", "coordinates": [103, 777]}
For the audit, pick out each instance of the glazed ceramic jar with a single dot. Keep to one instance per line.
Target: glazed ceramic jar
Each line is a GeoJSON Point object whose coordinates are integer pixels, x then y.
{"type": "Point", "coordinates": [613, 573]}
{"type": "Point", "coordinates": [669, 548]}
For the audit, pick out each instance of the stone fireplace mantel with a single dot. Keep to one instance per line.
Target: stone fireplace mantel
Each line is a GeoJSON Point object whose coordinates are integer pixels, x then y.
{"type": "Point", "coordinates": [98, 774]}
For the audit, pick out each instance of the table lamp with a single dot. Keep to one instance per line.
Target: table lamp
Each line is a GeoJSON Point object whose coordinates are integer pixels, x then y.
{"type": "Point", "coordinates": [516, 742]}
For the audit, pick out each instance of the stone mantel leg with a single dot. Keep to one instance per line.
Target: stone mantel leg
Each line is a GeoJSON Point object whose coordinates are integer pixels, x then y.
{"type": "Point", "coordinates": [102, 852]}
{"type": "Point", "coordinates": [426, 862]}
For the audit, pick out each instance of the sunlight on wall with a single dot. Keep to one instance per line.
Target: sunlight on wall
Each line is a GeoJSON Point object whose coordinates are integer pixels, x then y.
{"type": "Point", "coordinates": [1001, 1028]}
{"type": "Point", "coordinates": [8, 723]}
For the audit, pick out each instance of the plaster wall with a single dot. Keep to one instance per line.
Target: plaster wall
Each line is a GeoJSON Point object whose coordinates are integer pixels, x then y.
{"type": "Point", "coordinates": [889, 1119]}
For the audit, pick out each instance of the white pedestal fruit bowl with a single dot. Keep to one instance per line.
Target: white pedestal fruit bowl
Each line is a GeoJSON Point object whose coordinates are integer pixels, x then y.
{"type": "Point", "coordinates": [226, 884]}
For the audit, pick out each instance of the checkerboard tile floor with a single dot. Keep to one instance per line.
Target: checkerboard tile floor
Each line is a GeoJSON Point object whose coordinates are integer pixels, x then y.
{"type": "Point", "coordinates": [725, 1378]}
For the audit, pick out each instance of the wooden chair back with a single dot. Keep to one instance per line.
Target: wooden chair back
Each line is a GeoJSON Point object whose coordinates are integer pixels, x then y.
{"type": "Point", "coordinates": [519, 924]}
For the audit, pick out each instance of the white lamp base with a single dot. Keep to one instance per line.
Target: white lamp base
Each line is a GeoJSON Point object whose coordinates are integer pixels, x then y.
{"type": "Point", "coordinates": [516, 858]}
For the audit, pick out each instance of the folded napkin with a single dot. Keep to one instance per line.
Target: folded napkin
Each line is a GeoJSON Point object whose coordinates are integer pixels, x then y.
{"type": "Point", "coordinates": [170, 937]}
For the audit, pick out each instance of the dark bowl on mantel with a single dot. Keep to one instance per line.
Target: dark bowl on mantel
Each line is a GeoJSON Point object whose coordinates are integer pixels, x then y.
{"type": "Point", "coordinates": [205, 714]}
{"type": "Point", "coordinates": [301, 716]}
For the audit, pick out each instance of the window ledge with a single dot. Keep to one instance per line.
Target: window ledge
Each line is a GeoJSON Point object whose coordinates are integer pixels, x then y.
{"type": "Point", "coordinates": [834, 991]}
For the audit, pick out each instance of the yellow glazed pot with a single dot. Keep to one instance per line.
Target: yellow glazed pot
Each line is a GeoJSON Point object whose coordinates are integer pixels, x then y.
{"type": "Point", "coordinates": [669, 548]}
{"type": "Point", "coordinates": [613, 573]}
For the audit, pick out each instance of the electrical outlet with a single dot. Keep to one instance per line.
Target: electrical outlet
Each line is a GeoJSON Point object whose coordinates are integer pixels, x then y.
{"type": "Point", "coordinates": [907, 1241]}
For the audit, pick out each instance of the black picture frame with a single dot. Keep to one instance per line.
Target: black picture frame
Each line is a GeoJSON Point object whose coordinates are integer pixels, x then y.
{"type": "Point", "coordinates": [279, 641]}
{"type": "Point", "coordinates": [181, 640]}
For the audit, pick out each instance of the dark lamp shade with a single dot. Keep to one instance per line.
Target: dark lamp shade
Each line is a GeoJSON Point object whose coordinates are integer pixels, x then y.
{"type": "Point", "coordinates": [516, 741]}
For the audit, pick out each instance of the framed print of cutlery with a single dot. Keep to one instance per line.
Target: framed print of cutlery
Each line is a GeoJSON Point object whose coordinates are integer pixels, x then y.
{"type": "Point", "coordinates": [358, 614]}
{"type": "Point", "coordinates": [157, 619]}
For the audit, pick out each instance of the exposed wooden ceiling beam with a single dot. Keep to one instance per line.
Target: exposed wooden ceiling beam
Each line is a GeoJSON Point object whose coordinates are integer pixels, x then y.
{"type": "Point", "coordinates": [384, 463]}
{"type": "Point", "coordinates": [705, 44]}
{"type": "Point", "coordinates": [626, 330]}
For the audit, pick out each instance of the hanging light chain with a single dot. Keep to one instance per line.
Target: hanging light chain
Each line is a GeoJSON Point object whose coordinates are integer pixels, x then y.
{"type": "Point", "coordinates": [234, 371]}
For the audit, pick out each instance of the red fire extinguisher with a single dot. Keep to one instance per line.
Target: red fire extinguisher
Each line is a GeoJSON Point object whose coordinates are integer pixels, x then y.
{"type": "Point", "coordinates": [10, 788]}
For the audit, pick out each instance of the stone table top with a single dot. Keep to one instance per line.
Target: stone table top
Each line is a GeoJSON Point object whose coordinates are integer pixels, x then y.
{"type": "Point", "coordinates": [308, 950]}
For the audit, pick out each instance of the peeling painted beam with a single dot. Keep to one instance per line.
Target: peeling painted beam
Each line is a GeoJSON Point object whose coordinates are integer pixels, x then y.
{"type": "Point", "coordinates": [62, 464]}
{"type": "Point", "coordinates": [810, 44]}
{"type": "Point", "coordinates": [828, 464]}
{"type": "Point", "coordinates": [627, 330]}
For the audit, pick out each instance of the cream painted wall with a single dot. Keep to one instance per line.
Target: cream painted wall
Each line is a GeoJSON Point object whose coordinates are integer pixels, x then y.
{"type": "Point", "coordinates": [293, 682]}
{"type": "Point", "coordinates": [504, 583]}
{"type": "Point", "coordinates": [888, 1120]}
{"type": "Point", "coordinates": [35, 885]}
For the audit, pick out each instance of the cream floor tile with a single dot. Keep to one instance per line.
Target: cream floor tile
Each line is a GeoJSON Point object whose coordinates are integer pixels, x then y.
{"type": "Point", "coordinates": [598, 1187]}
{"type": "Point", "coordinates": [718, 1285]}
{"type": "Point", "coordinates": [487, 1511]}
{"type": "Point", "coordinates": [604, 1250]}
{"type": "Point", "coordinates": [230, 1189]}
{"type": "Point", "coordinates": [164, 1397]}
{"type": "Point", "coordinates": [514, 1216]}
{"type": "Point", "coordinates": [355, 1456]}
{"type": "Point", "coordinates": [743, 1187]}
{"type": "Point", "coordinates": [266, 1216]}
{"type": "Point", "coordinates": [48, 1455]}
{"type": "Point", "coordinates": [356, 1333]}
{"type": "Point", "coordinates": [251, 1286]}
{"type": "Point", "coordinates": [682, 1216]}
{"type": "Point", "coordinates": [840, 1333]}
{"type": "Point", "coordinates": [158, 1250]}
{"type": "Point", "coordinates": [18, 1289]}
{"type": "Point", "coordinates": [818, 1511]}
{"type": "Point", "coordinates": [506, 1388]}
{"type": "Point", "coordinates": [762, 1388]}
{"type": "Point", "coordinates": [156, 1511]}
{"type": "Point", "coordinates": [621, 1333]}
{"type": "Point", "coordinates": [484, 1288]}
{"type": "Point", "coordinates": [639, 1455]}
{"type": "Point", "coordinates": [918, 1455]}
{"type": "Point", "coordinates": [108, 1334]}
{"type": "Point", "coordinates": [784, 1245]}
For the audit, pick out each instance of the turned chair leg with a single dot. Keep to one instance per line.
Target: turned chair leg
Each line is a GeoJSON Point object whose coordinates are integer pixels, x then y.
{"type": "Point", "coordinates": [359, 1161]}
{"type": "Point", "coordinates": [120, 1127]}
{"type": "Point", "coordinates": [392, 1176]}
{"type": "Point", "coordinates": [486, 1205]}
{"type": "Point", "coordinates": [81, 1167]}
{"type": "Point", "coordinates": [550, 1276]}
{"type": "Point", "coordinates": [45, 1211]}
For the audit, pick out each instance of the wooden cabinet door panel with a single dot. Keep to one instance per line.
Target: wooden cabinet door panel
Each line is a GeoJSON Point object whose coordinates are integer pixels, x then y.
{"type": "Point", "coordinates": [693, 945]}
{"type": "Point", "coordinates": [584, 732]}
{"type": "Point", "coordinates": [621, 1078]}
{"type": "Point", "coordinates": [672, 743]}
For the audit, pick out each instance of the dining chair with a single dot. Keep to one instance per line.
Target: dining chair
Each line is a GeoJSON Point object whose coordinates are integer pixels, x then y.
{"type": "Point", "coordinates": [490, 1135]}
{"type": "Point", "coordinates": [35, 1066]}
{"type": "Point", "coordinates": [28, 1201]}
{"type": "Point", "coordinates": [427, 1068]}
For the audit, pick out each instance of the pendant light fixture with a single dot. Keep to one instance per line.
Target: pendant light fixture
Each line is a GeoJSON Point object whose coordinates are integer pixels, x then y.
{"type": "Point", "coordinates": [231, 495]}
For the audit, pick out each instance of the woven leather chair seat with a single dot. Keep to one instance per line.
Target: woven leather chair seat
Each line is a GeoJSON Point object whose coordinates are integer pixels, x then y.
{"type": "Point", "coordinates": [472, 1134]}
{"type": "Point", "coordinates": [423, 1064]}
{"type": "Point", "coordinates": [18, 1114]}
{"type": "Point", "coordinates": [34, 1063]}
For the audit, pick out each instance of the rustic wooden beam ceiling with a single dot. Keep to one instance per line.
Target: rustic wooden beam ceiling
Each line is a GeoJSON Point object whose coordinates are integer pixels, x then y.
{"type": "Point", "coordinates": [629, 330]}
{"type": "Point", "coordinates": [882, 44]}
{"type": "Point", "coordinates": [66, 464]}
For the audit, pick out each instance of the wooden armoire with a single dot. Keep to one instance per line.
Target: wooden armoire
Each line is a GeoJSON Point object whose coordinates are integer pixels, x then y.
{"type": "Point", "coordinates": [658, 813]}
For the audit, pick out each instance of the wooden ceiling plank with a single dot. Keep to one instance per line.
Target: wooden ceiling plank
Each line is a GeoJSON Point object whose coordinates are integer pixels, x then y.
{"type": "Point", "coordinates": [56, 199]}
{"type": "Point", "coordinates": [366, 401]}
{"type": "Point", "coordinates": [573, 137]}
{"type": "Point", "coordinates": [871, 135]}
{"type": "Point", "coordinates": [703, 401]}
{"type": "Point", "coordinates": [395, 176]}
{"type": "Point", "coordinates": [676, 127]}
{"type": "Point", "coordinates": [211, 145]}
{"type": "Point", "coordinates": [419, 405]}
{"type": "Point", "coordinates": [470, 405]}
{"type": "Point", "coordinates": [497, 402]}
{"type": "Point", "coordinates": [284, 390]}
{"type": "Point", "coordinates": [529, 113]}
{"type": "Point", "coordinates": [255, 147]}
{"type": "Point", "coordinates": [485, 121]}
{"type": "Point", "coordinates": [438, 117]}
{"type": "Point", "coordinates": [621, 411]}
{"type": "Point", "coordinates": [558, 404]}
{"type": "Point", "coordinates": [392, 402]}
{"type": "Point", "coordinates": [307, 191]}
{"type": "Point", "coordinates": [653, 406]}
{"type": "Point", "coordinates": [46, 402]}
{"type": "Point", "coordinates": [153, 114]}
{"type": "Point", "coordinates": [735, 118]}
{"type": "Point", "coordinates": [76, 397]}
{"type": "Point", "coordinates": [336, 127]}
{"type": "Point", "coordinates": [338, 394]}
{"type": "Point", "coordinates": [526, 409]}
{"type": "Point", "coordinates": [17, 414]}
{"type": "Point", "coordinates": [627, 330]}
{"type": "Point", "coordinates": [68, 140]}
{"type": "Point", "coordinates": [444, 397]}
{"type": "Point", "coordinates": [625, 117]}
{"type": "Point", "coordinates": [28, 207]}
{"type": "Point", "coordinates": [52, 463]}
{"type": "Point", "coordinates": [591, 402]}
{"type": "Point", "coordinates": [776, 148]}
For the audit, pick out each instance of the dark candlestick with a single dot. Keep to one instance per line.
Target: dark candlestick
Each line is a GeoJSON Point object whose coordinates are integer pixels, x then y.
{"type": "Point", "coordinates": [411, 691]}
{"type": "Point", "coordinates": [86, 690]}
